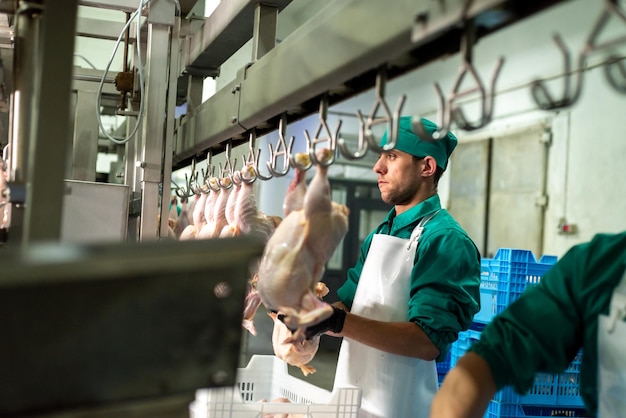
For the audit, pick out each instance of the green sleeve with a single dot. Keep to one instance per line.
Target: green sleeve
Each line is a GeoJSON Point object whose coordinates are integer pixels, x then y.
{"type": "Point", "coordinates": [445, 286]}
{"type": "Point", "coordinates": [348, 289]}
{"type": "Point", "coordinates": [540, 331]}
{"type": "Point", "coordinates": [544, 329]}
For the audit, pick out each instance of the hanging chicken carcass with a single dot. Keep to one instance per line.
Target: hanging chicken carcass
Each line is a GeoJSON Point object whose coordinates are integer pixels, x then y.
{"type": "Point", "coordinates": [297, 353]}
{"type": "Point", "coordinates": [217, 220]}
{"type": "Point", "coordinates": [182, 220]}
{"type": "Point", "coordinates": [295, 256]}
{"type": "Point", "coordinates": [294, 200]}
{"type": "Point", "coordinates": [244, 218]}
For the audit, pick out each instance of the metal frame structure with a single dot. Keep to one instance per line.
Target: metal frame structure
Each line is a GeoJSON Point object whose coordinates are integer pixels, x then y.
{"type": "Point", "coordinates": [332, 54]}
{"type": "Point", "coordinates": [330, 57]}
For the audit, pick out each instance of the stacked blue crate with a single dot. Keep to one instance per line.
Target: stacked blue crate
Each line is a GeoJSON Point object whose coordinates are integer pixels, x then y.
{"type": "Point", "coordinates": [503, 279]}
{"type": "Point", "coordinates": [442, 368]}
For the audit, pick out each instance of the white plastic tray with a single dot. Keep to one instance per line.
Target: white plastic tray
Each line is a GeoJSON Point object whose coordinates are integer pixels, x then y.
{"type": "Point", "coordinates": [265, 379]}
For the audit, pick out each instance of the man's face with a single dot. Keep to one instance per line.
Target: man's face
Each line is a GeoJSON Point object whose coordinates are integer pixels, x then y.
{"type": "Point", "coordinates": [399, 177]}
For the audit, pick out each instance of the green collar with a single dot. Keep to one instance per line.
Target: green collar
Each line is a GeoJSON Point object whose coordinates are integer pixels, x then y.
{"type": "Point", "coordinates": [411, 216]}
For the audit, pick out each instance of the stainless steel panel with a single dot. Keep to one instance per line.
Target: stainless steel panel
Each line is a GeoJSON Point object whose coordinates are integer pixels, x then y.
{"type": "Point", "coordinates": [94, 212]}
{"type": "Point", "coordinates": [85, 143]}
{"type": "Point", "coordinates": [109, 327]}
{"type": "Point", "coordinates": [216, 114]}
{"type": "Point", "coordinates": [469, 166]}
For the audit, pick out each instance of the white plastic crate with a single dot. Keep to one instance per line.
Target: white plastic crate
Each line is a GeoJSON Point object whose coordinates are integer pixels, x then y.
{"type": "Point", "coordinates": [266, 378]}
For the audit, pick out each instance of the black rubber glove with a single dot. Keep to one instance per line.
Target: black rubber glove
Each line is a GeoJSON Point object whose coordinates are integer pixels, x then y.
{"type": "Point", "coordinates": [334, 323]}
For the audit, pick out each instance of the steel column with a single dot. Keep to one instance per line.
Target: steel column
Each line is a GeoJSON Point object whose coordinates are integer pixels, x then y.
{"type": "Point", "coordinates": [50, 130]}
{"type": "Point", "coordinates": [170, 112]}
{"type": "Point", "coordinates": [155, 118]}
{"type": "Point", "coordinates": [27, 36]}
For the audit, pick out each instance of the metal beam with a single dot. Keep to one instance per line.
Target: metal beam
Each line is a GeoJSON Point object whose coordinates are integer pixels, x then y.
{"type": "Point", "coordinates": [227, 29]}
{"type": "Point", "coordinates": [332, 53]}
{"type": "Point", "coordinates": [121, 5]}
{"type": "Point", "coordinates": [103, 29]}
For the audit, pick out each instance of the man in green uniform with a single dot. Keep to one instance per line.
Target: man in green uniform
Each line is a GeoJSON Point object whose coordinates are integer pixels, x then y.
{"type": "Point", "coordinates": [413, 289]}
{"type": "Point", "coordinates": [579, 303]}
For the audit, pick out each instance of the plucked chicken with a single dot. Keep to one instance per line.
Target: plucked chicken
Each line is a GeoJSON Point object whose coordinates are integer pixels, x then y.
{"type": "Point", "coordinates": [244, 218]}
{"type": "Point", "coordinates": [247, 218]}
{"type": "Point", "coordinates": [230, 230]}
{"type": "Point", "coordinates": [218, 220]}
{"type": "Point", "coordinates": [294, 199]}
{"type": "Point", "coordinates": [299, 353]}
{"type": "Point", "coordinates": [192, 230]}
{"type": "Point", "coordinates": [295, 256]}
{"type": "Point", "coordinates": [183, 218]}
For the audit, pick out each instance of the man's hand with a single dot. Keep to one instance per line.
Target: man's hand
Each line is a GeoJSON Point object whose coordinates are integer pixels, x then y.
{"type": "Point", "coordinates": [334, 324]}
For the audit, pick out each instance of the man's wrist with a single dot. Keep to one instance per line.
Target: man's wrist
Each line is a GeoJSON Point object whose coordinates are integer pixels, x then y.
{"type": "Point", "coordinates": [339, 318]}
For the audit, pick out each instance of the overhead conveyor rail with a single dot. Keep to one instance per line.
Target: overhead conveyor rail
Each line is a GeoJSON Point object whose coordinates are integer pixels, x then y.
{"type": "Point", "coordinates": [226, 30]}
{"type": "Point", "coordinates": [337, 53]}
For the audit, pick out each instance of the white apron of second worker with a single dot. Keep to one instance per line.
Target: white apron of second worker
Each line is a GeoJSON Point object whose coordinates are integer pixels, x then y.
{"type": "Point", "coordinates": [612, 356]}
{"type": "Point", "coordinates": [393, 386]}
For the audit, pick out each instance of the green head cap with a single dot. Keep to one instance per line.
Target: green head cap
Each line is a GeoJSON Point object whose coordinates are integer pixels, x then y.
{"type": "Point", "coordinates": [409, 142]}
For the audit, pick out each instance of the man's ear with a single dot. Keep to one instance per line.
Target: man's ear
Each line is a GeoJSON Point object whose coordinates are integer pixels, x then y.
{"type": "Point", "coordinates": [430, 166]}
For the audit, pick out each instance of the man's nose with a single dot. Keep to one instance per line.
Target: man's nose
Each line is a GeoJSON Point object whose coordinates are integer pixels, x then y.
{"type": "Point", "coordinates": [378, 167]}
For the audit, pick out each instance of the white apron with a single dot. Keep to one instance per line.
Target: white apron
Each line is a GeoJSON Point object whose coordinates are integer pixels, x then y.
{"type": "Point", "coordinates": [612, 356]}
{"type": "Point", "coordinates": [393, 386]}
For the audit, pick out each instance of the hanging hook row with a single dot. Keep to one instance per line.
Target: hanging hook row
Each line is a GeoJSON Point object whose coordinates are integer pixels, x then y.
{"type": "Point", "coordinates": [210, 180]}
{"type": "Point", "coordinates": [539, 91]}
{"type": "Point", "coordinates": [391, 119]}
{"type": "Point", "coordinates": [486, 98]}
{"type": "Point", "coordinates": [283, 149]}
{"type": "Point", "coordinates": [188, 190]}
{"type": "Point", "coordinates": [449, 110]}
{"type": "Point", "coordinates": [330, 139]}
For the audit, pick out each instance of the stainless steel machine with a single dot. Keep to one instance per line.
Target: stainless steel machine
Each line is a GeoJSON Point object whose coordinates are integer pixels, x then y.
{"type": "Point", "coordinates": [110, 330]}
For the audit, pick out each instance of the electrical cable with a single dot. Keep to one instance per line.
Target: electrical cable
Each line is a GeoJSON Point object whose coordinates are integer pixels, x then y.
{"type": "Point", "coordinates": [136, 13]}
{"type": "Point", "coordinates": [86, 60]}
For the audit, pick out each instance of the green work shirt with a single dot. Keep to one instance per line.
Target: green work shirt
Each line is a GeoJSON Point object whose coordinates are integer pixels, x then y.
{"type": "Point", "coordinates": [445, 280]}
{"type": "Point", "coordinates": [544, 329]}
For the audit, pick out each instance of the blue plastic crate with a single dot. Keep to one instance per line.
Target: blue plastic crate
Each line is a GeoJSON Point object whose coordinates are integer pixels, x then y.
{"type": "Point", "coordinates": [514, 410]}
{"type": "Point", "coordinates": [562, 389]}
{"type": "Point", "coordinates": [505, 277]}
{"type": "Point", "coordinates": [460, 346]}
{"type": "Point", "coordinates": [549, 389]}
{"type": "Point", "coordinates": [442, 368]}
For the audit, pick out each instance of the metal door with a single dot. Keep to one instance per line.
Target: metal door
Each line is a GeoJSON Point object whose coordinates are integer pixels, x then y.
{"type": "Point", "coordinates": [498, 189]}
